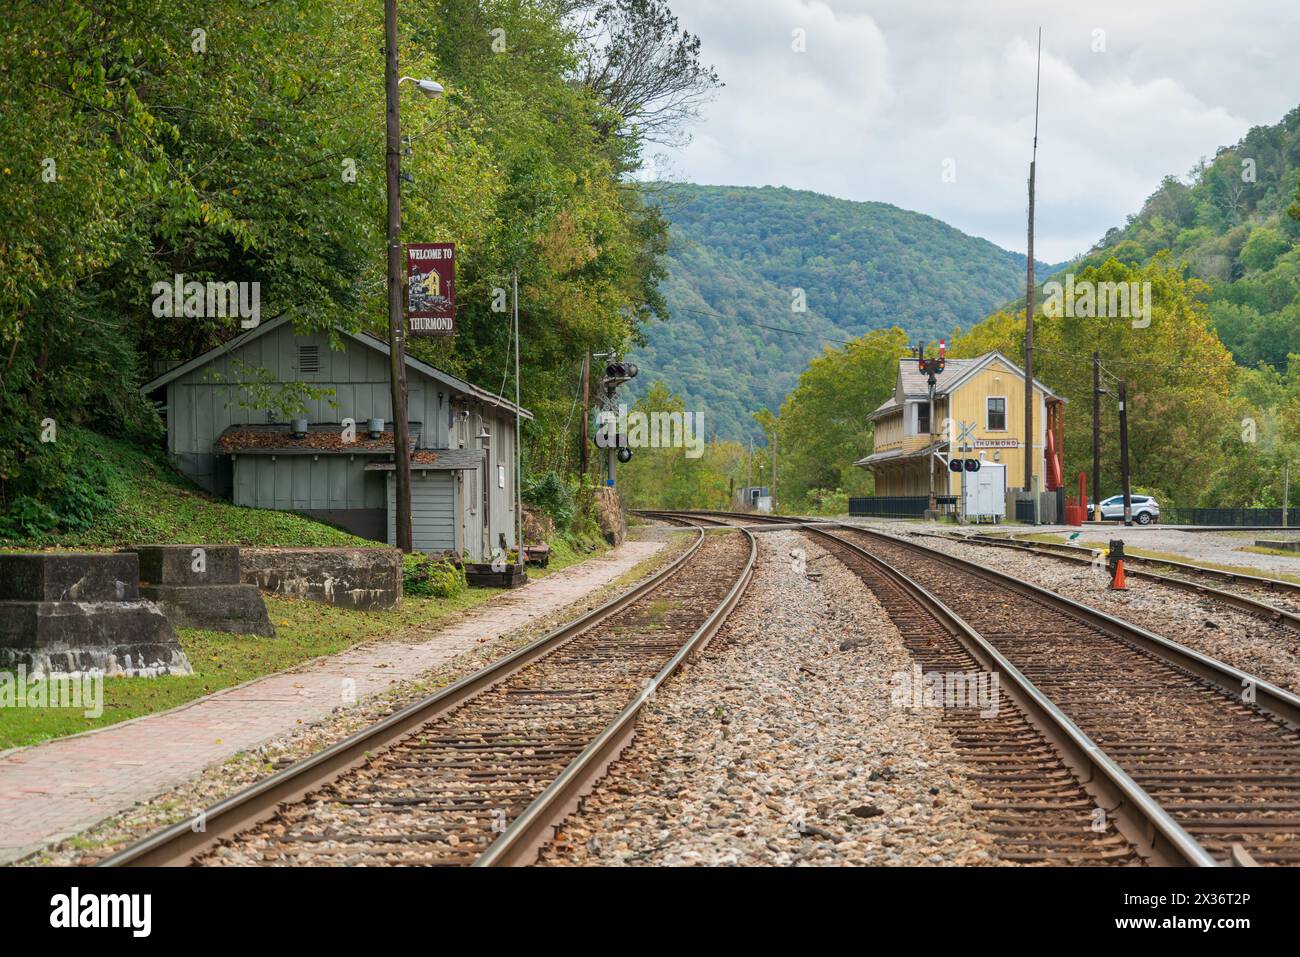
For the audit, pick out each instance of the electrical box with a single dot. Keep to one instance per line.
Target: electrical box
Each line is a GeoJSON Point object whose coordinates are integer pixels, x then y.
{"type": "Point", "coordinates": [986, 492]}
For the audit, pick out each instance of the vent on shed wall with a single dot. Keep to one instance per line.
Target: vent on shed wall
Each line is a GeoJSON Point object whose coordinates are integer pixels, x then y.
{"type": "Point", "coordinates": [309, 358]}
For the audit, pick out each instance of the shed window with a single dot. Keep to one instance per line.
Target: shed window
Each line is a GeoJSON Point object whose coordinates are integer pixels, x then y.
{"type": "Point", "coordinates": [997, 414]}
{"type": "Point", "coordinates": [309, 358]}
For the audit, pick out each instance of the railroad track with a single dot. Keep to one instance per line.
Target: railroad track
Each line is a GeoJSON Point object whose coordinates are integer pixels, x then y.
{"type": "Point", "coordinates": [1185, 577]}
{"type": "Point", "coordinates": [1198, 761]}
{"type": "Point", "coordinates": [482, 772]}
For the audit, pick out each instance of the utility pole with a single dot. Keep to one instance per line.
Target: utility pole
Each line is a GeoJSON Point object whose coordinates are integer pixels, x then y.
{"type": "Point", "coordinates": [1286, 490]}
{"type": "Point", "coordinates": [1029, 297]}
{"type": "Point", "coordinates": [750, 482]}
{"type": "Point", "coordinates": [396, 330]}
{"type": "Point", "coordinates": [519, 449]}
{"type": "Point", "coordinates": [1123, 450]}
{"type": "Point", "coordinates": [586, 413]}
{"type": "Point", "coordinates": [774, 470]}
{"type": "Point", "coordinates": [1096, 438]}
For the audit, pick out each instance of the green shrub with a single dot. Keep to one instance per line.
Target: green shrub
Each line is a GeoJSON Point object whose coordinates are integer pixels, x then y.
{"type": "Point", "coordinates": [550, 493]}
{"type": "Point", "coordinates": [426, 577]}
{"type": "Point", "coordinates": [825, 501]}
{"type": "Point", "coordinates": [53, 487]}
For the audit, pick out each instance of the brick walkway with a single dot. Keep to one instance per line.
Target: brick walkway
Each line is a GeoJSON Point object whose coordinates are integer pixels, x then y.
{"type": "Point", "coordinates": [58, 788]}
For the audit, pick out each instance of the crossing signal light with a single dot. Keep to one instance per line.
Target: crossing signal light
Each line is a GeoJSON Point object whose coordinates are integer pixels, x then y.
{"type": "Point", "coordinates": [621, 370]}
{"type": "Point", "coordinates": [954, 465]}
{"type": "Point", "coordinates": [972, 465]}
{"type": "Point", "coordinates": [624, 454]}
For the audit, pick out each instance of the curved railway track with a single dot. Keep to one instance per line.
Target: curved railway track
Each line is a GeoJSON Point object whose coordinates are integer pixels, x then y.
{"type": "Point", "coordinates": [482, 772]}
{"type": "Point", "coordinates": [1201, 761]}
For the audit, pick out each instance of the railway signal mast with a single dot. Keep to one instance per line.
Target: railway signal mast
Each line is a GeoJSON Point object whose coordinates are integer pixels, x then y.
{"type": "Point", "coordinates": [617, 372]}
{"type": "Point", "coordinates": [930, 367]}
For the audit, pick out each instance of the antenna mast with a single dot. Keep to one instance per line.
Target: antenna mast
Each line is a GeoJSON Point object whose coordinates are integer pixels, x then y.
{"type": "Point", "coordinates": [1030, 454]}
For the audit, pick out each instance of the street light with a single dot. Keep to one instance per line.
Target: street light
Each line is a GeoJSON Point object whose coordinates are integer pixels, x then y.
{"type": "Point", "coordinates": [396, 325]}
{"type": "Point", "coordinates": [430, 88]}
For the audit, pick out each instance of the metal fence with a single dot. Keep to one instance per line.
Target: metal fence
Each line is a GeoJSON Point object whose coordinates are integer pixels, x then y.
{"type": "Point", "coordinates": [1229, 516]}
{"type": "Point", "coordinates": [890, 506]}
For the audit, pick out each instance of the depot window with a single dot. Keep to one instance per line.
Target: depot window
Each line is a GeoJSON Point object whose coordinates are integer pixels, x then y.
{"type": "Point", "coordinates": [997, 419]}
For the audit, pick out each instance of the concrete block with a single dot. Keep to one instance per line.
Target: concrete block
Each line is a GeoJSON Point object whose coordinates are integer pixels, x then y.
{"type": "Point", "coordinates": [1284, 544]}
{"type": "Point", "coordinates": [68, 576]}
{"type": "Point", "coordinates": [188, 564]}
{"type": "Point", "coordinates": [239, 609]}
{"type": "Point", "coordinates": [69, 612]}
{"type": "Point", "coordinates": [367, 579]}
{"type": "Point", "coordinates": [115, 637]}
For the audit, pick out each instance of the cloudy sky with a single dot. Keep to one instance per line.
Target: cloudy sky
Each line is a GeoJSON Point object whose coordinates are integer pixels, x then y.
{"type": "Point", "coordinates": [888, 90]}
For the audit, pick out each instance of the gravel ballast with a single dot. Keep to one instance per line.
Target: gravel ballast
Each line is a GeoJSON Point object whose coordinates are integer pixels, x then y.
{"type": "Point", "coordinates": [1261, 648]}
{"type": "Point", "coordinates": [780, 745]}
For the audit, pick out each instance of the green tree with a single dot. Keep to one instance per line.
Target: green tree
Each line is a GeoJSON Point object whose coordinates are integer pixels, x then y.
{"type": "Point", "coordinates": [1180, 379]}
{"type": "Point", "coordinates": [823, 426]}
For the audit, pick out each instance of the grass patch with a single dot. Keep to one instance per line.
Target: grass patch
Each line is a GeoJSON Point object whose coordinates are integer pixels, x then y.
{"type": "Point", "coordinates": [569, 548]}
{"type": "Point", "coordinates": [151, 503]}
{"type": "Point", "coordinates": [304, 630]}
{"type": "Point", "coordinates": [1262, 550]}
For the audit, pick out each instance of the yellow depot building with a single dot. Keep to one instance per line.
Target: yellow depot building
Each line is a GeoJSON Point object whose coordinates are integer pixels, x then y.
{"type": "Point", "coordinates": [988, 392]}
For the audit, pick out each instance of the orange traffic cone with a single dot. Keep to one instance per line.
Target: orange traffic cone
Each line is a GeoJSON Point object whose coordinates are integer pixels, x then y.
{"type": "Point", "coordinates": [1118, 583]}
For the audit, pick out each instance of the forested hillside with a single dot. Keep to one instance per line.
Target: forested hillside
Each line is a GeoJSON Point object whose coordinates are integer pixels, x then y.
{"type": "Point", "coordinates": [1227, 224]}
{"type": "Point", "coordinates": [140, 147]}
{"type": "Point", "coordinates": [739, 254]}
{"type": "Point", "coordinates": [1214, 380]}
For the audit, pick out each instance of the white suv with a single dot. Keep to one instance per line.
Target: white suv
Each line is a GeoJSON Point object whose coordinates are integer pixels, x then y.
{"type": "Point", "coordinates": [1145, 509]}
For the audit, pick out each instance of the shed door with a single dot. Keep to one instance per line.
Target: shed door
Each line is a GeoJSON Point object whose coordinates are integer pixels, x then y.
{"type": "Point", "coordinates": [433, 511]}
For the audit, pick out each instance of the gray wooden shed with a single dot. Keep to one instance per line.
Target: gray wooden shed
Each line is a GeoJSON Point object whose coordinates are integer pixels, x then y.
{"type": "Point", "coordinates": [462, 438]}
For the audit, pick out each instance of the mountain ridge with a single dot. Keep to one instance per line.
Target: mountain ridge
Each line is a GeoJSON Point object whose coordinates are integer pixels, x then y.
{"type": "Point", "coordinates": [766, 277]}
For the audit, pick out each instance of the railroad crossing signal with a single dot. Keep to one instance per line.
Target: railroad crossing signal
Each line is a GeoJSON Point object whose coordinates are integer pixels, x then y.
{"type": "Point", "coordinates": [964, 464]}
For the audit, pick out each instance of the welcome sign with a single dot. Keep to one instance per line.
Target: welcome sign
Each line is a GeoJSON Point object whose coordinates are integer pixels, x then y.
{"type": "Point", "coordinates": [431, 289]}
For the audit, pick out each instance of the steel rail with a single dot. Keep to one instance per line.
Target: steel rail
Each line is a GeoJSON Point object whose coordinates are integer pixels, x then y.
{"type": "Point", "coordinates": [520, 842]}
{"type": "Point", "coordinates": [1065, 548]}
{"type": "Point", "coordinates": [182, 842]}
{"type": "Point", "coordinates": [1139, 816]}
{"type": "Point", "coordinates": [1278, 702]}
{"type": "Point", "coordinates": [1085, 556]}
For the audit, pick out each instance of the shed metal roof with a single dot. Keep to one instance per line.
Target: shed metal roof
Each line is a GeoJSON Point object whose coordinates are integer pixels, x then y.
{"type": "Point", "coordinates": [365, 338]}
{"type": "Point", "coordinates": [321, 439]}
{"type": "Point", "coordinates": [435, 460]}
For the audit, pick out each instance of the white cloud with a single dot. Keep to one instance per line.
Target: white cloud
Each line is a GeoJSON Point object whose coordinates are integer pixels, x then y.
{"type": "Point", "coordinates": [887, 90]}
